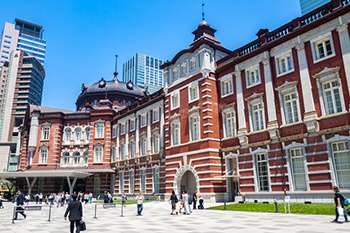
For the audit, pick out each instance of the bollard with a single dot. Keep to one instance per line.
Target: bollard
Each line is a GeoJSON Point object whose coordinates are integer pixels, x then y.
{"type": "Point", "coordinates": [49, 214]}
{"type": "Point", "coordinates": [275, 202]}
{"type": "Point", "coordinates": [14, 213]}
{"type": "Point", "coordinates": [122, 211]}
{"type": "Point", "coordinates": [224, 205]}
{"type": "Point", "coordinates": [95, 211]}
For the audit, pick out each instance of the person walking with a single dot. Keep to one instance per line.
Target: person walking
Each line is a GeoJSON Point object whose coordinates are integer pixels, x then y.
{"type": "Point", "coordinates": [185, 202]}
{"type": "Point", "coordinates": [37, 198]}
{"type": "Point", "coordinates": [40, 198]}
{"type": "Point", "coordinates": [1, 197]}
{"type": "Point", "coordinates": [105, 197]}
{"type": "Point", "coordinates": [200, 206]}
{"type": "Point", "coordinates": [194, 200]}
{"type": "Point", "coordinates": [20, 203]}
{"type": "Point", "coordinates": [67, 198]}
{"type": "Point", "coordinates": [90, 197]}
{"type": "Point", "coordinates": [124, 198]}
{"type": "Point", "coordinates": [27, 199]}
{"type": "Point", "coordinates": [174, 200]}
{"type": "Point", "coordinates": [75, 210]}
{"type": "Point", "coordinates": [139, 199]}
{"type": "Point", "coordinates": [339, 202]}
{"type": "Point", "coordinates": [63, 198]}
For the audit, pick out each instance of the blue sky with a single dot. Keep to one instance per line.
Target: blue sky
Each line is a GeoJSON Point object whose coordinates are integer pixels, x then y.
{"type": "Point", "coordinates": [83, 37]}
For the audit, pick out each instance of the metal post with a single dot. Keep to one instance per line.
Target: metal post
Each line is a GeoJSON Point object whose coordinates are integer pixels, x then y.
{"type": "Point", "coordinates": [95, 211]}
{"type": "Point", "coordinates": [122, 210]}
{"type": "Point", "coordinates": [13, 217]}
{"type": "Point", "coordinates": [276, 205]}
{"type": "Point", "coordinates": [49, 214]}
{"type": "Point", "coordinates": [224, 205]}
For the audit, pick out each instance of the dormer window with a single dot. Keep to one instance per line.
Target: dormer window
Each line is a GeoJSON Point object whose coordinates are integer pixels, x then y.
{"type": "Point", "coordinates": [193, 63]}
{"type": "Point", "coordinates": [183, 69]}
{"type": "Point", "coordinates": [175, 74]}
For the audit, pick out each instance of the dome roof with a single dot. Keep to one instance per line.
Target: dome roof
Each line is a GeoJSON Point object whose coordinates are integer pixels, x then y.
{"type": "Point", "coordinates": [203, 23]}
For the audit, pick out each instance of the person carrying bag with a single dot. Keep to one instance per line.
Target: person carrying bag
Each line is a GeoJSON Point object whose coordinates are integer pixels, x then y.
{"type": "Point", "coordinates": [339, 200]}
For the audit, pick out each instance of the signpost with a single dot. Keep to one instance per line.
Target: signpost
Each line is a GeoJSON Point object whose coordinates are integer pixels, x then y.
{"type": "Point", "coordinates": [28, 208]}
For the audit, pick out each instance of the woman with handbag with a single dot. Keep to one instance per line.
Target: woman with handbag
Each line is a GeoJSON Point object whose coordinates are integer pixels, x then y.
{"type": "Point", "coordinates": [339, 204]}
{"type": "Point", "coordinates": [173, 200]}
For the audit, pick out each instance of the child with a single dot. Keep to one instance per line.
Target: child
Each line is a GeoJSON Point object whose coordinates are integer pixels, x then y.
{"type": "Point", "coordinates": [200, 206]}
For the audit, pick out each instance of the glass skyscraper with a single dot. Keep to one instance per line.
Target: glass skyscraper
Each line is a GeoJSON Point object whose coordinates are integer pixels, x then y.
{"type": "Point", "coordinates": [23, 36]}
{"type": "Point", "coordinates": [143, 71]}
{"type": "Point", "coordinates": [307, 6]}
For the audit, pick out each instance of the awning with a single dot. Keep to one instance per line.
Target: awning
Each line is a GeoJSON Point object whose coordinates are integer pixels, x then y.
{"type": "Point", "coordinates": [44, 173]}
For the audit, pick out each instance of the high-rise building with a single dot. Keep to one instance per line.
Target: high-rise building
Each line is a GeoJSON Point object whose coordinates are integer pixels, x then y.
{"type": "Point", "coordinates": [143, 71]}
{"type": "Point", "coordinates": [307, 6]}
{"type": "Point", "coordinates": [21, 83]}
{"type": "Point", "coordinates": [23, 36]}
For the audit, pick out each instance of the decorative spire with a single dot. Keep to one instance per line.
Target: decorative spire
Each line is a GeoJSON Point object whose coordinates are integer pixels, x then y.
{"type": "Point", "coordinates": [115, 71]}
{"type": "Point", "coordinates": [203, 10]}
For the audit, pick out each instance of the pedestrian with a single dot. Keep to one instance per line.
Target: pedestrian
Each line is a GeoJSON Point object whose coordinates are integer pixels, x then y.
{"type": "Point", "coordinates": [90, 197]}
{"type": "Point", "coordinates": [67, 198]}
{"type": "Point", "coordinates": [37, 198]}
{"type": "Point", "coordinates": [189, 201]}
{"type": "Point", "coordinates": [40, 198]}
{"type": "Point", "coordinates": [51, 198]}
{"type": "Point", "coordinates": [339, 202]}
{"type": "Point", "coordinates": [57, 199]}
{"type": "Point", "coordinates": [75, 210]}
{"type": "Point", "coordinates": [174, 200]}
{"type": "Point", "coordinates": [194, 200]}
{"type": "Point", "coordinates": [20, 203]}
{"type": "Point", "coordinates": [27, 199]}
{"type": "Point", "coordinates": [110, 199]}
{"type": "Point", "coordinates": [105, 197]}
{"type": "Point", "coordinates": [63, 198]}
{"type": "Point", "coordinates": [201, 201]}
{"type": "Point", "coordinates": [1, 197]}
{"type": "Point", "coordinates": [185, 202]}
{"type": "Point", "coordinates": [86, 198]}
{"type": "Point", "coordinates": [124, 198]}
{"type": "Point", "coordinates": [181, 206]}
{"type": "Point", "coordinates": [139, 199]}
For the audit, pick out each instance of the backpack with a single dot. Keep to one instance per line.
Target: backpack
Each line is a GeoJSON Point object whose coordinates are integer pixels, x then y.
{"type": "Point", "coordinates": [176, 200]}
{"type": "Point", "coordinates": [346, 201]}
{"type": "Point", "coordinates": [189, 199]}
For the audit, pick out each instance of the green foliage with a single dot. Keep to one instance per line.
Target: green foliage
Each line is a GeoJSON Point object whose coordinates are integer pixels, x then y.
{"type": "Point", "coordinates": [295, 208]}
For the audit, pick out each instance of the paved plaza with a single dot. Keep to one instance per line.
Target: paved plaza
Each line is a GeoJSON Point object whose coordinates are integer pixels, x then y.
{"type": "Point", "coordinates": [156, 218]}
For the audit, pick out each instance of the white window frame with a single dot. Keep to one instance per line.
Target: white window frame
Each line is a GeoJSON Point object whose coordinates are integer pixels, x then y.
{"type": "Point", "coordinates": [98, 133]}
{"type": "Point", "coordinates": [121, 181]}
{"type": "Point", "coordinates": [143, 116]}
{"type": "Point", "coordinates": [43, 150]}
{"type": "Point", "coordinates": [131, 181]}
{"type": "Point", "coordinates": [254, 68]}
{"type": "Point", "coordinates": [156, 182]}
{"type": "Point", "coordinates": [175, 74]}
{"type": "Point", "coordinates": [114, 131]}
{"type": "Point", "coordinates": [337, 143]}
{"type": "Point", "coordinates": [87, 133]}
{"type": "Point", "coordinates": [132, 124]}
{"type": "Point", "coordinates": [76, 133]}
{"type": "Point", "coordinates": [183, 69]}
{"type": "Point", "coordinates": [75, 156]}
{"type": "Point", "coordinates": [143, 145]}
{"type": "Point", "coordinates": [155, 142]}
{"type": "Point", "coordinates": [122, 150]}
{"type": "Point", "coordinates": [132, 148]}
{"type": "Point", "coordinates": [45, 135]}
{"type": "Point", "coordinates": [193, 86]}
{"type": "Point", "coordinates": [175, 93]}
{"type": "Point", "coordinates": [233, 122]}
{"type": "Point", "coordinates": [251, 103]}
{"type": "Point", "coordinates": [177, 122]}
{"type": "Point", "coordinates": [326, 76]}
{"type": "Point", "coordinates": [278, 62]}
{"type": "Point", "coordinates": [65, 157]}
{"type": "Point", "coordinates": [226, 79]}
{"type": "Point", "coordinates": [321, 39]}
{"type": "Point", "coordinates": [191, 118]}
{"type": "Point", "coordinates": [155, 115]}
{"type": "Point", "coordinates": [143, 180]}
{"type": "Point", "coordinates": [86, 155]}
{"type": "Point", "coordinates": [193, 61]}
{"type": "Point", "coordinates": [114, 152]}
{"type": "Point", "coordinates": [96, 150]}
{"type": "Point", "coordinates": [292, 172]}
{"type": "Point", "coordinates": [68, 136]}
{"type": "Point", "coordinates": [257, 161]}
{"type": "Point", "coordinates": [122, 128]}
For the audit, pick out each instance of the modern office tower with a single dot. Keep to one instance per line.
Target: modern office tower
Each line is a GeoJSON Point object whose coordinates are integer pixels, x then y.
{"type": "Point", "coordinates": [143, 71]}
{"type": "Point", "coordinates": [307, 6]}
{"type": "Point", "coordinates": [21, 83]}
{"type": "Point", "coordinates": [23, 36]}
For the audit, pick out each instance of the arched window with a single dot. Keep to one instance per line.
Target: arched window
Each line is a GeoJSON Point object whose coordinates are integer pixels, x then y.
{"type": "Point", "coordinates": [86, 157]}
{"type": "Point", "coordinates": [78, 134]}
{"type": "Point", "coordinates": [87, 130]}
{"type": "Point", "coordinates": [68, 133]}
{"type": "Point", "coordinates": [65, 158]}
{"type": "Point", "coordinates": [76, 158]}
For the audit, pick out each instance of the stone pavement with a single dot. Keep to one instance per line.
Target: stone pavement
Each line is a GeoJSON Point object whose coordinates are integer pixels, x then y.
{"type": "Point", "coordinates": [156, 218]}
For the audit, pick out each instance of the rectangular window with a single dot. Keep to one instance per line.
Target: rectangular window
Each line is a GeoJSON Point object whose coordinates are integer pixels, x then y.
{"type": "Point", "coordinates": [156, 180]}
{"type": "Point", "coordinates": [132, 149]}
{"type": "Point", "coordinates": [100, 130]}
{"type": "Point", "coordinates": [46, 133]}
{"type": "Point", "coordinates": [291, 108]}
{"type": "Point", "coordinates": [43, 156]}
{"type": "Point", "coordinates": [323, 48]}
{"type": "Point", "coordinates": [331, 96]}
{"type": "Point", "coordinates": [98, 154]}
{"type": "Point", "coordinates": [258, 118]}
{"type": "Point", "coordinates": [175, 74]}
{"type": "Point", "coordinates": [6, 36]}
{"type": "Point", "coordinates": [95, 102]}
{"type": "Point", "coordinates": [155, 142]}
{"type": "Point", "coordinates": [143, 181]}
{"type": "Point", "coordinates": [193, 64]}
{"type": "Point", "coordinates": [194, 128]}
{"type": "Point", "coordinates": [6, 41]}
{"type": "Point", "coordinates": [193, 93]}
{"type": "Point", "coordinates": [143, 120]}
{"type": "Point", "coordinates": [114, 131]}
{"type": "Point", "coordinates": [183, 69]}
{"type": "Point", "coordinates": [253, 77]}
{"type": "Point", "coordinates": [78, 134]}
{"type": "Point", "coordinates": [132, 124]}
{"type": "Point", "coordinates": [122, 151]}
{"type": "Point", "coordinates": [155, 115]}
{"type": "Point", "coordinates": [227, 87]}
{"type": "Point", "coordinates": [341, 158]}
{"type": "Point", "coordinates": [175, 101]}
{"type": "Point", "coordinates": [114, 153]}
{"type": "Point", "coordinates": [175, 133]}
{"type": "Point", "coordinates": [122, 128]}
{"type": "Point", "coordinates": [229, 126]}
{"type": "Point", "coordinates": [262, 172]}
{"type": "Point", "coordinates": [298, 169]}
{"type": "Point", "coordinates": [143, 146]}
{"type": "Point", "coordinates": [121, 182]}
{"type": "Point", "coordinates": [132, 182]}
{"type": "Point", "coordinates": [285, 64]}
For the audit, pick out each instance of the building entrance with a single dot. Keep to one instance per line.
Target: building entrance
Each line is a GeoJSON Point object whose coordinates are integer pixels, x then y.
{"type": "Point", "coordinates": [188, 182]}
{"type": "Point", "coordinates": [80, 186]}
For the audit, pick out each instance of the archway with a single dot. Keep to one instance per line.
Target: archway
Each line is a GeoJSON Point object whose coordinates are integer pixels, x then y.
{"type": "Point", "coordinates": [188, 182]}
{"type": "Point", "coordinates": [186, 178]}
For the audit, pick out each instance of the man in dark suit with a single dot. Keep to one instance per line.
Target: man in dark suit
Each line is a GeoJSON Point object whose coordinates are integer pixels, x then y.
{"type": "Point", "coordinates": [20, 203]}
{"type": "Point", "coordinates": [75, 211]}
{"type": "Point", "coordinates": [105, 197]}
